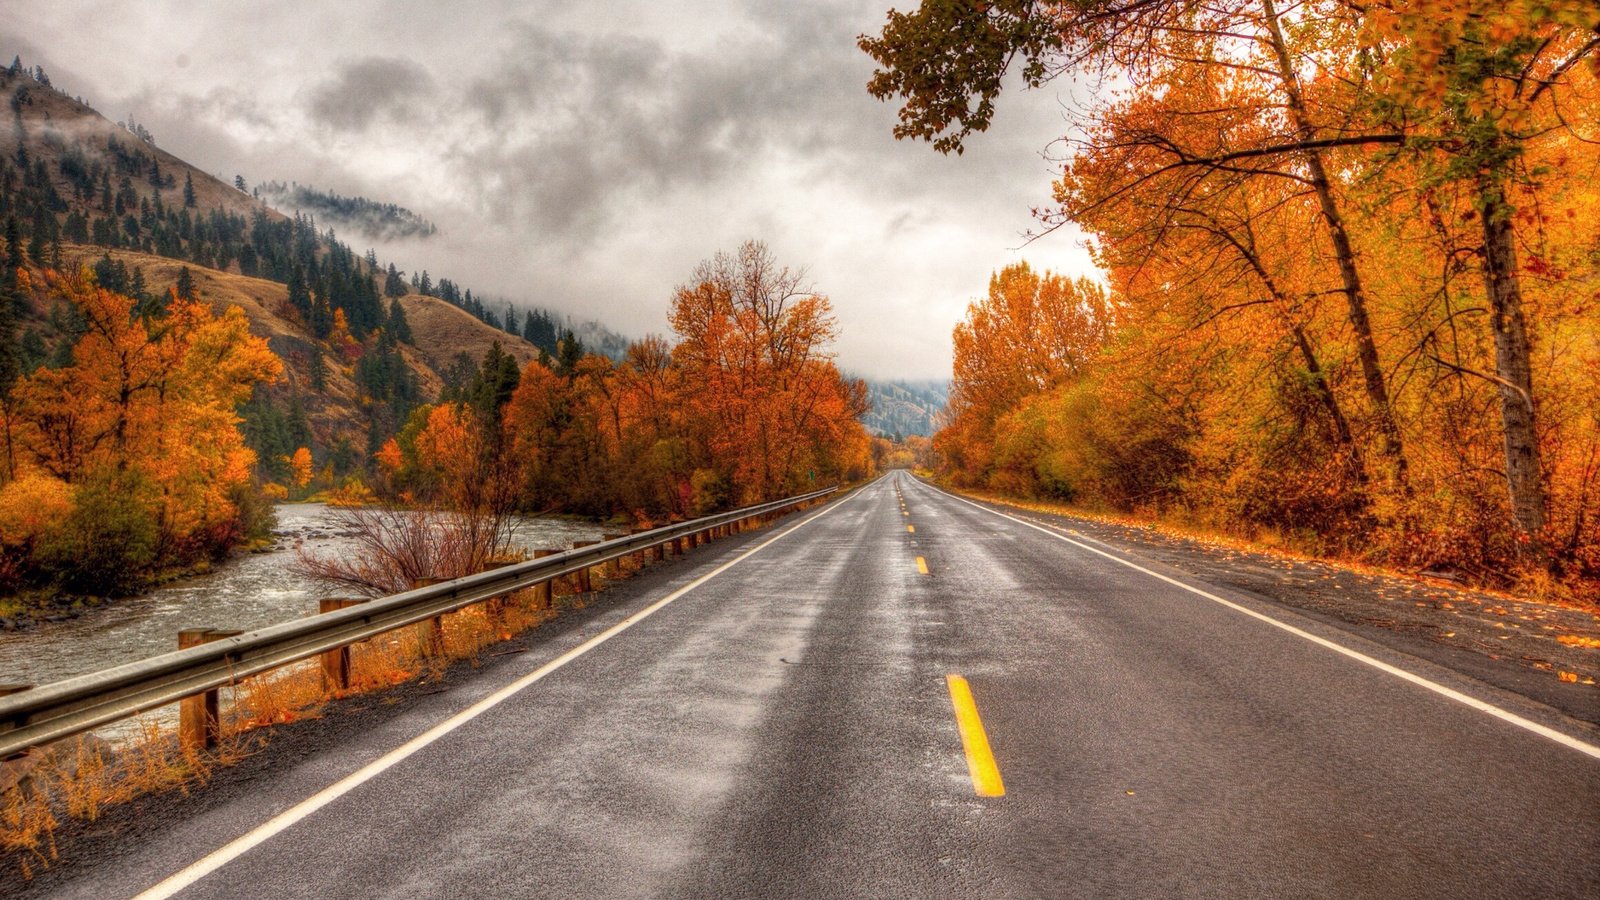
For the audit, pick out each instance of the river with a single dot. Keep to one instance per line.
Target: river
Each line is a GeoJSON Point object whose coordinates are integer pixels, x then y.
{"type": "Point", "coordinates": [248, 591]}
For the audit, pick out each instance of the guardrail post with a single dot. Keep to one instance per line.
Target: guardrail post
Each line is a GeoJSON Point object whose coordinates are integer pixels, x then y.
{"type": "Point", "coordinates": [430, 632]}
{"type": "Point", "coordinates": [7, 690]}
{"type": "Point", "coordinates": [199, 717]}
{"type": "Point", "coordinates": [613, 566]}
{"type": "Point", "coordinates": [336, 662]}
{"type": "Point", "coordinates": [544, 591]}
{"type": "Point", "coordinates": [582, 575]}
{"type": "Point", "coordinates": [659, 552]}
{"type": "Point", "coordinates": [496, 607]}
{"type": "Point", "coordinates": [638, 556]}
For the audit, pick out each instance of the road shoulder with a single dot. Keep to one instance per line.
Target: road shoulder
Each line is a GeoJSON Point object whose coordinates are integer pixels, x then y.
{"type": "Point", "coordinates": [1510, 643]}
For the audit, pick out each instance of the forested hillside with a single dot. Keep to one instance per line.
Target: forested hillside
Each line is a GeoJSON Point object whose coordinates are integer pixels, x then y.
{"type": "Point", "coordinates": [369, 218]}
{"type": "Point", "coordinates": [124, 265]}
{"type": "Point", "coordinates": [904, 408]}
{"type": "Point", "coordinates": [362, 341]}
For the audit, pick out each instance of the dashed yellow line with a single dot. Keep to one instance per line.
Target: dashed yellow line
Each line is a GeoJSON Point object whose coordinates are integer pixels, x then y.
{"type": "Point", "coordinates": [922, 565]}
{"type": "Point", "coordinates": [974, 740]}
{"type": "Point", "coordinates": [911, 529]}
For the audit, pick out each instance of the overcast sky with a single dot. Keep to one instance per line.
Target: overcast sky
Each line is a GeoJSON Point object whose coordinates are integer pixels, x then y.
{"type": "Point", "coordinates": [584, 157]}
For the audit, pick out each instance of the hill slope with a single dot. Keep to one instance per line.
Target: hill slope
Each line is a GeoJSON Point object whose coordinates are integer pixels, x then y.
{"type": "Point", "coordinates": [906, 407]}
{"type": "Point", "coordinates": [360, 344]}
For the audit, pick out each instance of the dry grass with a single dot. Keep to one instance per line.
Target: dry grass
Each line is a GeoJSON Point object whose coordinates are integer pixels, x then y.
{"type": "Point", "coordinates": [79, 778]}
{"type": "Point", "coordinates": [1528, 590]}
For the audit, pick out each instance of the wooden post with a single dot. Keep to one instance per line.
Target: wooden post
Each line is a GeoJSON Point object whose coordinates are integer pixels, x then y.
{"type": "Point", "coordinates": [544, 591]}
{"type": "Point", "coordinates": [658, 552]}
{"type": "Point", "coordinates": [584, 584]}
{"type": "Point", "coordinates": [7, 690]}
{"type": "Point", "coordinates": [336, 662]}
{"type": "Point", "coordinates": [199, 717]}
{"type": "Point", "coordinates": [613, 566]}
{"type": "Point", "coordinates": [430, 632]}
{"type": "Point", "coordinates": [495, 607]}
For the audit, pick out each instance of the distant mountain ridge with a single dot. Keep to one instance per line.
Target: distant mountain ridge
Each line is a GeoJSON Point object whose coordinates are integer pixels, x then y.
{"type": "Point", "coordinates": [369, 218]}
{"type": "Point", "coordinates": [904, 408]}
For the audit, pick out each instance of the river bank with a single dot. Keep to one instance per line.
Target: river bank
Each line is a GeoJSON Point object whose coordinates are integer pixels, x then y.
{"type": "Point", "coordinates": [248, 590]}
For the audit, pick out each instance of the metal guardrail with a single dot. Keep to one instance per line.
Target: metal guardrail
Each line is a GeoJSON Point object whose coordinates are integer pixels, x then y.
{"type": "Point", "coordinates": [74, 706]}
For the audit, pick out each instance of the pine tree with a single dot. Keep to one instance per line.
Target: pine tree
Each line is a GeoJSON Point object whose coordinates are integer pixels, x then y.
{"type": "Point", "coordinates": [188, 190]}
{"type": "Point", "coordinates": [317, 369]}
{"type": "Point", "coordinates": [185, 287]}
{"type": "Point", "coordinates": [394, 285]}
{"type": "Point", "coordinates": [398, 324]}
{"type": "Point", "coordinates": [569, 353]}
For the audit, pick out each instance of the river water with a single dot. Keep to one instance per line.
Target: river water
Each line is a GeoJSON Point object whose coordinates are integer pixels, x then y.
{"type": "Point", "coordinates": [249, 591]}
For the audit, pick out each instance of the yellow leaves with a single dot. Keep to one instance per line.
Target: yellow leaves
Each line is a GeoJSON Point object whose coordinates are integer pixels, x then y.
{"type": "Point", "coordinates": [300, 467]}
{"type": "Point", "coordinates": [148, 398]}
{"type": "Point", "coordinates": [31, 505]}
{"type": "Point", "coordinates": [1578, 640]}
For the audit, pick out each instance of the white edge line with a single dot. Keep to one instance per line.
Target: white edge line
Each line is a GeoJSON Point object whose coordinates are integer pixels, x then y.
{"type": "Point", "coordinates": [1472, 702]}
{"type": "Point", "coordinates": [265, 831]}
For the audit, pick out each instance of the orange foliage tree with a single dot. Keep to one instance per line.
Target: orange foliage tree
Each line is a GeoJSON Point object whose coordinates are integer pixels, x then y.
{"type": "Point", "coordinates": [747, 406]}
{"type": "Point", "coordinates": [773, 414]}
{"type": "Point", "coordinates": [1346, 243]}
{"type": "Point", "coordinates": [142, 428]}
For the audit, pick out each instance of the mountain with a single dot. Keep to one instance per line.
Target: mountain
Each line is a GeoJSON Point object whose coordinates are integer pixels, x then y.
{"type": "Point", "coordinates": [906, 407]}
{"type": "Point", "coordinates": [362, 344]}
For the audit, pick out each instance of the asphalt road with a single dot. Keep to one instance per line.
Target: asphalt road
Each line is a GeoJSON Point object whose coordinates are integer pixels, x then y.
{"type": "Point", "coordinates": [784, 726]}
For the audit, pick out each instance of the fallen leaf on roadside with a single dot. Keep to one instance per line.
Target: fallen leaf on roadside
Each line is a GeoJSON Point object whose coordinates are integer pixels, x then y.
{"type": "Point", "coordinates": [1568, 677]}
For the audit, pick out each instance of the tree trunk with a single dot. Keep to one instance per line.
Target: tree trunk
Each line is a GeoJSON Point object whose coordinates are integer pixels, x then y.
{"type": "Point", "coordinates": [1512, 358]}
{"type": "Point", "coordinates": [1350, 276]}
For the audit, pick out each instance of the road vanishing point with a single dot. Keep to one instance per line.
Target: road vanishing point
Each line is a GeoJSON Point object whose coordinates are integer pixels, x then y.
{"type": "Point", "coordinates": [903, 693]}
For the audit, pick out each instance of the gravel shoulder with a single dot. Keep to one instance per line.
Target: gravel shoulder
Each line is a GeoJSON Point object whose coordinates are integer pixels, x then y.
{"type": "Point", "coordinates": [1545, 652]}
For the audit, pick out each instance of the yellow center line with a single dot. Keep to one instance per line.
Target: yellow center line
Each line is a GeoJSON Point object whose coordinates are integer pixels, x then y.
{"type": "Point", "coordinates": [980, 759]}
{"type": "Point", "coordinates": [922, 565]}
{"type": "Point", "coordinates": [911, 529]}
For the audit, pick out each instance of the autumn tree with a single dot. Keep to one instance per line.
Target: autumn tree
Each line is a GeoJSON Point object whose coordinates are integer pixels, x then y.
{"type": "Point", "coordinates": [1030, 334]}
{"type": "Point", "coordinates": [1324, 96]}
{"type": "Point", "coordinates": [300, 468]}
{"type": "Point", "coordinates": [142, 426]}
{"type": "Point", "coordinates": [774, 409]}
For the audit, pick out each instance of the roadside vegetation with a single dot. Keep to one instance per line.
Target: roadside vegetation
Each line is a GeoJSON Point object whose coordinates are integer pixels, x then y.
{"type": "Point", "coordinates": [745, 406]}
{"type": "Point", "coordinates": [125, 459]}
{"type": "Point", "coordinates": [1349, 263]}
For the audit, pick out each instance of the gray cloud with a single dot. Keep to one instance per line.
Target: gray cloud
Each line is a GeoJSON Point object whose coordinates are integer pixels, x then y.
{"type": "Point", "coordinates": [586, 161]}
{"type": "Point", "coordinates": [367, 88]}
